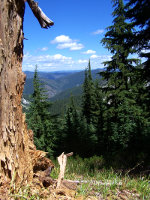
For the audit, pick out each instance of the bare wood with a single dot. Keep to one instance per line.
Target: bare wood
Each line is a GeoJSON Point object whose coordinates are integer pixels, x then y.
{"type": "Point", "coordinates": [62, 160]}
{"type": "Point", "coordinates": [137, 165]}
{"type": "Point", "coordinates": [18, 155]}
{"type": "Point", "coordinates": [69, 154]}
{"type": "Point", "coordinates": [44, 21]}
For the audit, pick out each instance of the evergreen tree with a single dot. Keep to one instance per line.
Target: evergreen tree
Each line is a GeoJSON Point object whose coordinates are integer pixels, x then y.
{"type": "Point", "coordinates": [122, 113]}
{"type": "Point", "coordinates": [138, 12]}
{"type": "Point", "coordinates": [39, 118]}
{"type": "Point", "coordinates": [72, 128]}
{"type": "Point", "coordinates": [77, 133]}
{"type": "Point", "coordinates": [100, 146]}
{"type": "Point", "coordinates": [89, 97]}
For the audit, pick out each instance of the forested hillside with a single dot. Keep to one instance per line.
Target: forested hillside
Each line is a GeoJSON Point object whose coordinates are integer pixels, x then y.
{"type": "Point", "coordinates": [56, 82]}
{"type": "Point", "coordinates": [109, 114]}
{"type": "Point", "coordinates": [99, 119]}
{"type": "Point", "coordinates": [103, 116]}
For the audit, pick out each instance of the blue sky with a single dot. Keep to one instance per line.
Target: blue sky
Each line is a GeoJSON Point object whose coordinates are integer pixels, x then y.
{"type": "Point", "coordinates": [79, 26]}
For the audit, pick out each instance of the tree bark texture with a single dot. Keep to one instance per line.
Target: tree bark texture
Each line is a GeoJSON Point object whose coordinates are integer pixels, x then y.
{"type": "Point", "coordinates": [15, 159]}
{"type": "Point", "coordinates": [19, 159]}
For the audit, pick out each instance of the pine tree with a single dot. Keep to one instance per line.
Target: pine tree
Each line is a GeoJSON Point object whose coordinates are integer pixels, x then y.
{"type": "Point", "coordinates": [39, 118]}
{"type": "Point", "coordinates": [72, 128]}
{"type": "Point", "coordinates": [89, 97]}
{"type": "Point", "coordinates": [138, 12]}
{"type": "Point", "coordinates": [100, 146]}
{"type": "Point", "coordinates": [77, 133]}
{"type": "Point", "coordinates": [122, 112]}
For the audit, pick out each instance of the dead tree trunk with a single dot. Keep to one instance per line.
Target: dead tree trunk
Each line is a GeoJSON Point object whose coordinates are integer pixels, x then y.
{"type": "Point", "coordinates": [16, 148]}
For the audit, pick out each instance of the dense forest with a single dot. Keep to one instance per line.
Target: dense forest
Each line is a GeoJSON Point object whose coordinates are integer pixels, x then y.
{"type": "Point", "coordinates": [110, 119]}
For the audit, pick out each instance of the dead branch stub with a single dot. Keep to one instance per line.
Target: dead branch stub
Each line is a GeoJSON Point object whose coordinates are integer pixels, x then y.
{"type": "Point", "coordinates": [44, 21]}
{"type": "Point", "coordinates": [62, 160]}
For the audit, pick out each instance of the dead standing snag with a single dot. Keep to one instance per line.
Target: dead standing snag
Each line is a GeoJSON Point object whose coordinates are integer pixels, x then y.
{"type": "Point", "coordinates": [18, 154]}
{"type": "Point", "coordinates": [62, 160]}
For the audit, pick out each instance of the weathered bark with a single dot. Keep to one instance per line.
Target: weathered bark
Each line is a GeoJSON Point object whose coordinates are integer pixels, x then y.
{"type": "Point", "coordinates": [18, 155]}
{"type": "Point", "coordinates": [44, 21]}
{"type": "Point", "coordinates": [14, 139]}
{"type": "Point", "coordinates": [62, 160]}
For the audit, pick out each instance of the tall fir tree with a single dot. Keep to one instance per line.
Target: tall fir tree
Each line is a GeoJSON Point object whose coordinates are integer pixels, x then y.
{"type": "Point", "coordinates": [72, 128]}
{"type": "Point", "coordinates": [77, 137]}
{"type": "Point", "coordinates": [138, 12]}
{"type": "Point", "coordinates": [89, 97]}
{"type": "Point", "coordinates": [39, 117]}
{"type": "Point", "coordinates": [122, 114]}
{"type": "Point", "coordinates": [100, 145]}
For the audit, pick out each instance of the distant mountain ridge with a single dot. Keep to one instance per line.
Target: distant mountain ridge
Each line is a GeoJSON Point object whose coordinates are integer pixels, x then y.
{"type": "Point", "coordinates": [49, 75]}
{"type": "Point", "coordinates": [58, 82]}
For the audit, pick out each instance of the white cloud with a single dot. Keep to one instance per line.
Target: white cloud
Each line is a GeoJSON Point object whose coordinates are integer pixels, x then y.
{"type": "Point", "coordinates": [98, 32]}
{"type": "Point", "coordinates": [93, 56]}
{"type": "Point", "coordinates": [72, 46]}
{"type": "Point", "coordinates": [46, 62]}
{"type": "Point", "coordinates": [65, 42]}
{"type": "Point", "coordinates": [47, 65]}
{"type": "Point", "coordinates": [81, 61]}
{"type": "Point", "coordinates": [44, 49]}
{"type": "Point", "coordinates": [97, 60]}
{"type": "Point", "coordinates": [76, 46]}
{"type": "Point", "coordinates": [145, 51]}
{"type": "Point", "coordinates": [61, 39]}
{"type": "Point", "coordinates": [58, 62]}
{"type": "Point", "coordinates": [60, 57]}
{"type": "Point", "coordinates": [89, 52]}
{"type": "Point", "coordinates": [101, 58]}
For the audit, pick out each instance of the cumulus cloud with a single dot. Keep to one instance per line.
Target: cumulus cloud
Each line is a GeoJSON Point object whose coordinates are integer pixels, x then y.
{"type": "Point", "coordinates": [61, 39]}
{"type": "Point", "coordinates": [72, 46]}
{"type": "Point", "coordinates": [97, 60]}
{"type": "Point", "coordinates": [65, 42]}
{"type": "Point", "coordinates": [46, 62]}
{"type": "Point", "coordinates": [101, 58]}
{"type": "Point", "coordinates": [89, 52]}
{"type": "Point", "coordinates": [57, 62]}
{"type": "Point", "coordinates": [60, 57]}
{"type": "Point", "coordinates": [98, 32]}
{"type": "Point", "coordinates": [93, 56]}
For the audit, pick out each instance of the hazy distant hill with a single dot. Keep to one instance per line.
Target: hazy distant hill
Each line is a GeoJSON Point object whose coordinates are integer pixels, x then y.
{"type": "Point", "coordinates": [50, 75]}
{"type": "Point", "coordinates": [49, 79]}
{"type": "Point", "coordinates": [57, 82]}
{"type": "Point", "coordinates": [75, 91]}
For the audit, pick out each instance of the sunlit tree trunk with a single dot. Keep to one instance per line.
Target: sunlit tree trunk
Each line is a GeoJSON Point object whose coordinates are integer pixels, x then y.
{"type": "Point", "coordinates": [15, 159]}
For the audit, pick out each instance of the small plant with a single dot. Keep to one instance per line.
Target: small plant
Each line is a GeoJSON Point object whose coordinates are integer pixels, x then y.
{"type": "Point", "coordinates": [97, 181]}
{"type": "Point", "coordinates": [55, 172]}
{"type": "Point", "coordinates": [24, 193]}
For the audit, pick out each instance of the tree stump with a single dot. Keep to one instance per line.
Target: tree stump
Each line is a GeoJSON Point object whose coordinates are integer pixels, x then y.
{"type": "Point", "coordinates": [17, 151]}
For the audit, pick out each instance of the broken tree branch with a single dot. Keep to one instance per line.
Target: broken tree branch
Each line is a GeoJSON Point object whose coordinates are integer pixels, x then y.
{"type": "Point", "coordinates": [44, 21]}
{"type": "Point", "coordinates": [62, 160]}
{"type": "Point", "coordinates": [137, 165]}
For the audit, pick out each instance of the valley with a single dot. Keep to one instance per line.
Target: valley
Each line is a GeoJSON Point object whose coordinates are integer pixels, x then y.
{"type": "Point", "coordinates": [59, 84]}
